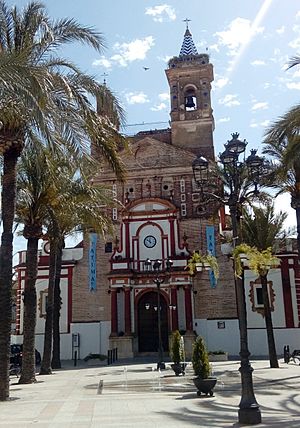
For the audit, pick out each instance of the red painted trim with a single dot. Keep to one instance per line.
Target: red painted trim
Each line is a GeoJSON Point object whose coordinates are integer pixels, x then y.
{"type": "Point", "coordinates": [188, 308]}
{"type": "Point", "coordinates": [297, 285]}
{"type": "Point", "coordinates": [69, 297]}
{"type": "Point", "coordinates": [287, 295]}
{"type": "Point", "coordinates": [172, 237]}
{"type": "Point", "coordinates": [222, 218]}
{"type": "Point", "coordinates": [18, 304]}
{"type": "Point", "coordinates": [127, 240]}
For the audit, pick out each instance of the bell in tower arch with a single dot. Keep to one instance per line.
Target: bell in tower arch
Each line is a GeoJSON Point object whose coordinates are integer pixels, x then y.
{"type": "Point", "coordinates": [189, 102]}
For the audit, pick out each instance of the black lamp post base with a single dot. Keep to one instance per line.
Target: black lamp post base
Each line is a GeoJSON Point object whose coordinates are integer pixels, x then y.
{"type": "Point", "coordinates": [161, 366]}
{"type": "Point", "coordinates": [250, 416]}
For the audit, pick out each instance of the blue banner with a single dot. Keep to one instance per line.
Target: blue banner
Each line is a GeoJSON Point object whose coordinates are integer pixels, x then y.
{"type": "Point", "coordinates": [92, 261]}
{"type": "Point", "coordinates": [211, 249]}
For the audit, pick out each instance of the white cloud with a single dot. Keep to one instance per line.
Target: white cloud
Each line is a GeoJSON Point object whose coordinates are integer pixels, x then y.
{"type": "Point", "coordinates": [132, 51]}
{"type": "Point", "coordinates": [296, 74]}
{"type": "Point", "coordinates": [238, 33]}
{"type": "Point", "coordinates": [280, 30]}
{"type": "Point", "coordinates": [224, 119]}
{"type": "Point", "coordinates": [265, 123]}
{"type": "Point", "coordinates": [165, 58]}
{"type": "Point", "coordinates": [298, 15]}
{"type": "Point", "coordinates": [102, 62]}
{"type": "Point", "coordinates": [159, 107]}
{"type": "Point", "coordinates": [293, 85]}
{"type": "Point", "coordinates": [221, 82]}
{"type": "Point", "coordinates": [260, 106]}
{"type": "Point", "coordinates": [258, 62]}
{"type": "Point", "coordinates": [126, 53]}
{"type": "Point", "coordinates": [214, 47]}
{"type": "Point", "coordinates": [229, 100]}
{"type": "Point", "coordinates": [164, 96]}
{"type": "Point", "coordinates": [136, 98]}
{"type": "Point", "coordinates": [161, 13]}
{"type": "Point", "coordinates": [295, 44]}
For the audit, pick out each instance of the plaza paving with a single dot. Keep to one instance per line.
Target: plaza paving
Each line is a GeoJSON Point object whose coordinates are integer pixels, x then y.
{"type": "Point", "coordinates": [136, 395]}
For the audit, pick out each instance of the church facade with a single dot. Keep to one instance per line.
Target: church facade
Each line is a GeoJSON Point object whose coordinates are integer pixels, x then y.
{"type": "Point", "coordinates": [162, 218]}
{"type": "Point", "coordinates": [113, 298]}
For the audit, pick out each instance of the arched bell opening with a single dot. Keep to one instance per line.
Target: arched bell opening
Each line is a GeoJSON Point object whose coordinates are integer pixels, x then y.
{"type": "Point", "coordinates": [190, 99]}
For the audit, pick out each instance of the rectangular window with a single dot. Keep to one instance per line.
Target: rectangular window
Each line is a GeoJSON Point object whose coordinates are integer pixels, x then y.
{"type": "Point", "coordinates": [259, 296]}
{"type": "Point", "coordinates": [183, 197]}
{"type": "Point", "coordinates": [182, 185]}
{"type": "Point", "coordinates": [108, 247]}
{"type": "Point", "coordinates": [183, 210]}
{"type": "Point", "coordinates": [43, 303]}
{"type": "Point", "coordinates": [195, 197]}
{"type": "Point", "coordinates": [114, 191]}
{"type": "Point", "coordinates": [115, 214]}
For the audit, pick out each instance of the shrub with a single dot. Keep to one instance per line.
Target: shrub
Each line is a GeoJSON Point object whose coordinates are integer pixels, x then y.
{"type": "Point", "coordinates": [200, 359]}
{"type": "Point", "coordinates": [177, 348]}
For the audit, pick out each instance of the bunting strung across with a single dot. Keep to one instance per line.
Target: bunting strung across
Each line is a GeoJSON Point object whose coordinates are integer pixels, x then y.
{"type": "Point", "coordinates": [92, 261]}
{"type": "Point", "coordinates": [211, 249]}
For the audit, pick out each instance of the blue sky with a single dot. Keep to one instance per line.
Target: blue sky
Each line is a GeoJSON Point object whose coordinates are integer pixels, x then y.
{"type": "Point", "coordinates": [249, 43]}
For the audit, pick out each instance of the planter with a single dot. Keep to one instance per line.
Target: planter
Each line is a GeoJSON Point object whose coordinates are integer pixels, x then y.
{"type": "Point", "coordinates": [179, 368]}
{"type": "Point", "coordinates": [205, 386]}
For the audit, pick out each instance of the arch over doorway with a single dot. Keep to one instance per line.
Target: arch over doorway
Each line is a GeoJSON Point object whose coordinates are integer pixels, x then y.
{"type": "Point", "coordinates": [147, 324]}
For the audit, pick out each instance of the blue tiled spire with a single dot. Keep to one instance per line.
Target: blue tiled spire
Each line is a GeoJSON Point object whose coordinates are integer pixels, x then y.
{"type": "Point", "coordinates": [188, 47]}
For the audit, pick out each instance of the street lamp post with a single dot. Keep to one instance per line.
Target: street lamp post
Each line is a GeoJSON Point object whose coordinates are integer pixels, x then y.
{"type": "Point", "coordinates": [158, 280]}
{"type": "Point", "coordinates": [249, 412]}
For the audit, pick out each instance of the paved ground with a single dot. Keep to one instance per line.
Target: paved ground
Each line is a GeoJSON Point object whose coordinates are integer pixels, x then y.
{"type": "Point", "coordinates": [136, 395]}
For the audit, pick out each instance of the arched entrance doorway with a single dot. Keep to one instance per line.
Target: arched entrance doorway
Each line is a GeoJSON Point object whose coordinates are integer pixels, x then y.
{"type": "Point", "coordinates": [148, 325]}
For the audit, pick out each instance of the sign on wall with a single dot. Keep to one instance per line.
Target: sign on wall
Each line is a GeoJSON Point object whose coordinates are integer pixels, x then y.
{"type": "Point", "coordinates": [92, 262]}
{"type": "Point", "coordinates": [211, 249]}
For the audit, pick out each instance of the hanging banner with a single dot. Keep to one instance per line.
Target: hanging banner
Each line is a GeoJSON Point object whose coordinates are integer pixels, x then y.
{"type": "Point", "coordinates": [92, 261]}
{"type": "Point", "coordinates": [211, 249]}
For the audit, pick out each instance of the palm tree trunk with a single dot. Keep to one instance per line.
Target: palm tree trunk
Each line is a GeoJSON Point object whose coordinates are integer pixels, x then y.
{"type": "Point", "coordinates": [269, 324]}
{"type": "Point", "coordinates": [8, 203]}
{"type": "Point", "coordinates": [298, 227]}
{"type": "Point", "coordinates": [56, 364]}
{"type": "Point", "coordinates": [46, 360]}
{"type": "Point", "coordinates": [29, 319]}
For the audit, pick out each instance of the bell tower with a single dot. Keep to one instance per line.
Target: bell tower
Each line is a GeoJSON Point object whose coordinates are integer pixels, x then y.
{"type": "Point", "coordinates": [190, 76]}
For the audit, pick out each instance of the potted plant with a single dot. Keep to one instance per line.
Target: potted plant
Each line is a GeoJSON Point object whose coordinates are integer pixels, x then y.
{"type": "Point", "coordinates": [202, 369]}
{"type": "Point", "coordinates": [177, 353]}
{"type": "Point", "coordinates": [197, 262]}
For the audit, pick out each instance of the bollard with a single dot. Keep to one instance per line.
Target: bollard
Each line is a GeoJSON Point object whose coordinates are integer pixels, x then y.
{"type": "Point", "coordinates": [116, 354]}
{"type": "Point", "coordinates": [75, 358]}
{"type": "Point", "coordinates": [286, 354]}
{"type": "Point", "coordinates": [100, 387]}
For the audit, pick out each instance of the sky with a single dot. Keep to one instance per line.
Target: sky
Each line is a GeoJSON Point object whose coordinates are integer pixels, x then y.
{"type": "Point", "coordinates": [249, 43]}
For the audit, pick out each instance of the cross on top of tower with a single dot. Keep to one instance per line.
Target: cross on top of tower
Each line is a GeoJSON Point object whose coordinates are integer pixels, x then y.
{"type": "Point", "coordinates": [186, 20]}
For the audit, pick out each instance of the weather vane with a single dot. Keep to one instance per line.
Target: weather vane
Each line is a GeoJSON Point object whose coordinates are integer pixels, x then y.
{"type": "Point", "coordinates": [186, 20]}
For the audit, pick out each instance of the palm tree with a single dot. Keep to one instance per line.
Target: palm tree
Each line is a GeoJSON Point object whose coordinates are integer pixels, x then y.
{"type": "Point", "coordinates": [260, 232]}
{"type": "Point", "coordinates": [281, 141]}
{"type": "Point", "coordinates": [34, 192]}
{"type": "Point", "coordinates": [54, 106]}
{"type": "Point", "coordinates": [77, 205]}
